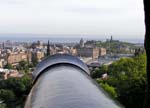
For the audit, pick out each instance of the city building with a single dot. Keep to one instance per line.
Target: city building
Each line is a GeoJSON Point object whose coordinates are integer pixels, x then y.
{"type": "Point", "coordinates": [88, 52]}
{"type": "Point", "coordinates": [37, 56]}
{"type": "Point", "coordinates": [15, 58]}
{"type": "Point", "coordinates": [37, 44]}
{"type": "Point", "coordinates": [89, 49]}
{"type": "Point", "coordinates": [102, 51]}
{"type": "Point", "coordinates": [90, 44]}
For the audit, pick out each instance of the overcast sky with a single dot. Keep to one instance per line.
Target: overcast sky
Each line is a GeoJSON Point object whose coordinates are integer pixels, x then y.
{"type": "Point", "coordinates": [82, 17]}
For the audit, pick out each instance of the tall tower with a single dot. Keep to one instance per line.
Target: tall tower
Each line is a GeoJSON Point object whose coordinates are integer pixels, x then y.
{"type": "Point", "coordinates": [111, 38]}
{"type": "Point", "coordinates": [48, 49]}
{"type": "Point", "coordinates": [81, 43]}
{"type": "Point", "coordinates": [3, 45]}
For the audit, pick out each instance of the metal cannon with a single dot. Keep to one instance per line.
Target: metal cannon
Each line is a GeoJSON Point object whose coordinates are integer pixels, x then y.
{"type": "Point", "coordinates": [63, 81]}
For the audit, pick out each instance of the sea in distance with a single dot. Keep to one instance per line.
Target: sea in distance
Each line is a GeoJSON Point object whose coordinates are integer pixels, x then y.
{"type": "Point", "coordinates": [61, 38]}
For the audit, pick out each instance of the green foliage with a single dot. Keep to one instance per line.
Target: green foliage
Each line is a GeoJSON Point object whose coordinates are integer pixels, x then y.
{"type": "Point", "coordinates": [129, 67]}
{"type": "Point", "coordinates": [97, 73]}
{"type": "Point", "coordinates": [18, 85]}
{"type": "Point", "coordinates": [35, 62]}
{"type": "Point", "coordinates": [128, 77]}
{"type": "Point", "coordinates": [26, 67]}
{"type": "Point", "coordinates": [111, 90]}
{"type": "Point", "coordinates": [7, 95]}
{"type": "Point", "coordinates": [3, 105]}
{"type": "Point", "coordinates": [113, 46]}
{"type": "Point", "coordinates": [15, 88]}
{"type": "Point", "coordinates": [8, 66]}
{"type": "Point", "coordinates": [23, 66]}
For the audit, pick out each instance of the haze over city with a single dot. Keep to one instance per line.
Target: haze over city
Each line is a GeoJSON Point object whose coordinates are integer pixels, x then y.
{"type": "Point", "coordinates": [73, 18]}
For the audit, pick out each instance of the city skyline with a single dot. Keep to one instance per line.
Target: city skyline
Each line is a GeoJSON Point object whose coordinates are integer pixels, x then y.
{"type": "Point", "coordinates": [123, 19]}
{"type": "Point", "coordinates": [64, 38]}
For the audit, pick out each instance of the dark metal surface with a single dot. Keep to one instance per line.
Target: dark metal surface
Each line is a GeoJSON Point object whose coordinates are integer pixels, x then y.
{"type": "Point", "coordinates": [67, 86]}
{"type": "Point", "coordinates": [58, 59]}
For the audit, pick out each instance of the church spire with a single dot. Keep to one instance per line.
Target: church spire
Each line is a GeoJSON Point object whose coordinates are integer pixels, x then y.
{"type": "Point", "coordinates": [3, 45]}
{"type": "Point", "coordinates": [48, 49]}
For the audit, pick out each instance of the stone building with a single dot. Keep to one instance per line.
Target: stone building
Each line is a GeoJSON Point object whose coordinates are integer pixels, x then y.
{"type": "Point", "coordinates": [90, 44]}
{"type": "Point", "coordinates": [88, 52]}
{"type": "Point", "coordinates": [37, 55]}
{"type": "Point", "coordinates": [91, 52]}
{"type": "Point", "coordinates": [14, 58]}
{"type": "Point", "coordinates": [73, 51]}
{"type": "Point", "coordinates": [102, 52]}
{"type": "Point", "coordinates": [2, 62]}
{"type": "Point", "coordinates": [38, 45]}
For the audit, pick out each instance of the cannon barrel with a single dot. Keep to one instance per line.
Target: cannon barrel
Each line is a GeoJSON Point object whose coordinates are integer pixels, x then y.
{"type": "Point", "coordinates": [63, 81]}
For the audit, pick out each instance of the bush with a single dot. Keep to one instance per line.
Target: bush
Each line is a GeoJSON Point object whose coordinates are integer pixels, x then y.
{"type": "Point", "coordinates": [7, 95]}
{"type": "Point", "coordinates": [13, 91]}
{"type": "Point", "coordinates": [2, 105]}
{"type": "Point", "coordinates": [111, 90]}
{"type": "Point", "coordinates": [8, 66]}
{"type": "Point", "coordinates": [127, 81]}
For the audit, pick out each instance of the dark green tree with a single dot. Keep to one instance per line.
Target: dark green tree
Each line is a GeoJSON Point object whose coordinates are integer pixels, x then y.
{"type": "Point", "coordinates": [127, 77]}
{"type": "Point", "coordinates": [19, 86]}
{"type": "Point", "coordinates": [7, 96]}
{"type": "Point", "coordinates": [147, 47]}
{"type": "Point", "coordinates": [3, 105]}
{"type": "Point", "coordinates": [8, 66]}
{"type": "Point", "coordinates": [97, 73]}
{"type": "Point", "coordinates": [35, 62]}
{"type": "Point", "coordinates": [23, 66]}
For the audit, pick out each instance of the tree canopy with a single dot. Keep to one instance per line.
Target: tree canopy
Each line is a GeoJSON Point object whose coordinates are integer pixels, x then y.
{"type": "Point", "coordinates": [126, 80]}
{"type": "Point", "coordinates": [14, 90]}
